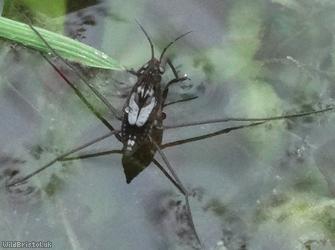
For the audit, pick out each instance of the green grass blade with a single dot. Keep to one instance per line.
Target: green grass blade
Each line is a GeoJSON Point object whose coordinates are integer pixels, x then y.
{"type": "Point", "coordinates": [68, 48]}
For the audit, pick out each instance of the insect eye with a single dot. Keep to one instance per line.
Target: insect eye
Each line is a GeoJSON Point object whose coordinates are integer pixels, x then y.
{"type": "Point", "coordinates": [161, 69]}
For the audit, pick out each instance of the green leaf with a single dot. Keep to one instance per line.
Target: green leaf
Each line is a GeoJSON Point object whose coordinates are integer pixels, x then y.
{"type": "Point", "coordinates": [50, 15]}
{"type": "Point", "coordinates": [68, 48]}
{"type": "Point", "coordinates": [52, 9]}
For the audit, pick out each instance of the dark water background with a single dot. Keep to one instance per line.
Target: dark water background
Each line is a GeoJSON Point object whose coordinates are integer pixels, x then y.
{"type": "Point", "coordinates": [269, 187]}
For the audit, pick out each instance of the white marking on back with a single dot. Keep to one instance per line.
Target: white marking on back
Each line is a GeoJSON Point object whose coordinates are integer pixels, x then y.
{"type": "Point", "coordinates": [131, 142]}
{"type": "Point", "coordinates": [145, 113]}
{"type": "Point", "coordinates": [133, 110]}
{"type": "Point", "coordinates": [149, 92]}
{"type": "Point", "coordinates": [142, 92]}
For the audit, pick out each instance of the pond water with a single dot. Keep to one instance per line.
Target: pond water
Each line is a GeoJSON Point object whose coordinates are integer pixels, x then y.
{"type": "Point", "coordinates": [266, 187]}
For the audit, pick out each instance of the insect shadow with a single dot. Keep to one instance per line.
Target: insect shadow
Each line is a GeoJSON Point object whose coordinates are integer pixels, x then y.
{"type": "Point", "coordinates": [142, 127]}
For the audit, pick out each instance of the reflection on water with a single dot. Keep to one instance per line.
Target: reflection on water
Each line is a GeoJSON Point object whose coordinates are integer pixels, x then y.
{"type": "Point", "coordinates": [10, 169]}
{"type": "Point", "coordinates": [269, 187]}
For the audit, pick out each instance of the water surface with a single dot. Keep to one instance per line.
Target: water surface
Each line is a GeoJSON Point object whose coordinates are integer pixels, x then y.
{"type": "Point", "coordinates": [267, 187]}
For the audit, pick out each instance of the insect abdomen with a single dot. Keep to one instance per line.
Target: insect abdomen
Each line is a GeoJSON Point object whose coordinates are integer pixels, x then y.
{"type": "Point", "coordinates": [137, 157]}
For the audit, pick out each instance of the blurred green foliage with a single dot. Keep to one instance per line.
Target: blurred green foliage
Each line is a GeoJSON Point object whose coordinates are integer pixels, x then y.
{"type": "Point", "coordinates": [38, 12]}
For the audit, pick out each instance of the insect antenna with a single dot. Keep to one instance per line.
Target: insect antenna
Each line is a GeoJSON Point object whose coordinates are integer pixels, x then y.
{"type": "Point", "coordinates": [147, 36]}
{"type": "Point", "coordinates": [167, 46]}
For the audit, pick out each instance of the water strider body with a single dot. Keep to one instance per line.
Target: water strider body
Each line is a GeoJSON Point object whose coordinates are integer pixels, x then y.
{"type": "Point", "coordinates": [142, 121]}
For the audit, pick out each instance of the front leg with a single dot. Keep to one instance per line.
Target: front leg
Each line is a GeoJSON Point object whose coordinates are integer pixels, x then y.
{"type": "Point", "coordinates": [175, 80]}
